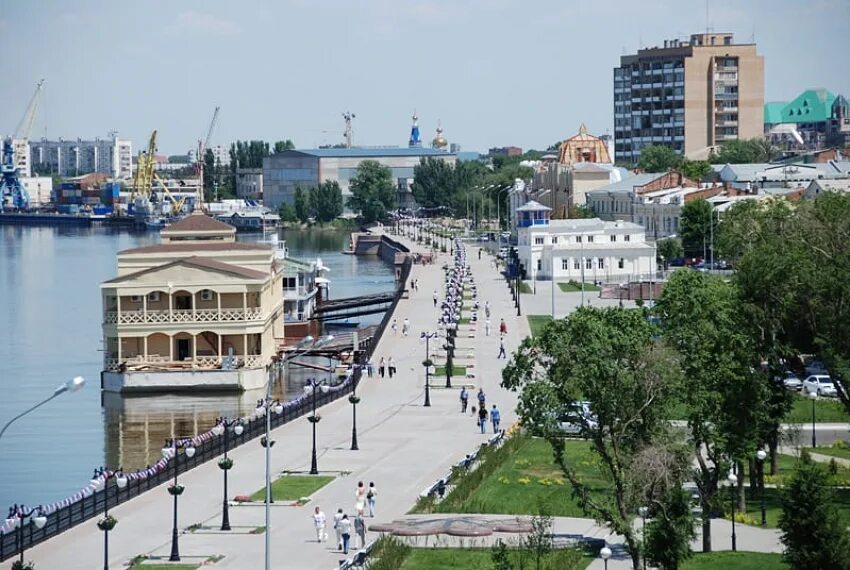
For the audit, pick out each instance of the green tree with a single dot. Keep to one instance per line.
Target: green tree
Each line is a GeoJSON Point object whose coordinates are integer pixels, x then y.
{"type": "Point", "coordinates": [740, 151]}
{"type": "Point", "coordinates": [580, 212]}
{"type": "Point", "coordinates": [610, 358]}
{"type": "Point", "coordinates": [669, 249]}
{"type": "Point", "coordinates": [210, 175]}
{"type": "Point", "coordinates": [696, 220]}
{"type": "Point", "coordinates": [281, 146]}
{"type": "Point", "coordinates": [325, 201]}
{"type": "Point", "coordinates": [287, 213]}
{"type": "Point", "coordinates": [812, 530]}
{"type": "Point", "coordinates": [671, 530]}
{"type": "Point", "coordinates": [434, 183]}
{"type": "Point", "coordinates": [301, 205]}
{"type": "Point", "coordinates": [658, 158]}
{"type": "Point", "coordinates": [373, 193]}
{"type": "Point", "coordinates": [702, 317]}
{"type": "Point", "coordinates": [695, 169]}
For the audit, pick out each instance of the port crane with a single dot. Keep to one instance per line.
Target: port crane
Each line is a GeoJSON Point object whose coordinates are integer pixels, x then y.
{"type": "Point", "coordinates": [11, 188]}
{"type": "Point", "coordinates": [199, 163]}
{"type": "Point", "coordinates": [146, 176]}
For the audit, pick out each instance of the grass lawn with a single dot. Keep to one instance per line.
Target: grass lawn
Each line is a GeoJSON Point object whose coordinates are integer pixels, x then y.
{"type": "Point", "coordinates": [530, 478]}
{"type": "Point", "coordinates": [525, 287]}
{"type": "Point", "coordinates": [456, 370]}
{"type": "Point", "coordinates": [573, 286]}
{"type": "Point", "coordinates": [842, 452]}
{"type": "Point", "coordinates": [293, 487]}
{"type": "Point", "coordinates": [538, 323]}
{"type": "Point", "coordinates": [736, 560]}
{"type": "Point", "coordinates": [826, 410]}
{"type": "Point", "coordinates": [464, 321]}
{"type": "Point", "coordinates": [466, 559]}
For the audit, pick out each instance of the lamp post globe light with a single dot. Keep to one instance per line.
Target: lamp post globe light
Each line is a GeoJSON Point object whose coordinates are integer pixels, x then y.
{"type": "Point", "coordinates": [73, 385]}
{"type": "Point", "coordinates": [427, 336]}
{"type": "Point", "coordinates": [312, 387]}
{"type": "Point", "coordinates": [224, 427]}
{"type": "Point", "coordinates": [813, 396]}
{"type": "Point", "coordinates": [761, 455]}
{"type": "Point", "coordinates": [643, 511]}
{"type": "Point", "coordinates": [605, 554]}
{"type": "Point", "coordinates": [20, 516]}
{"type": "Point", "coordinates": [107, 523]}
{"type": "Point", "coordinates": [733, 480]}
{"type": "Point", "coordinates": [172, 451]}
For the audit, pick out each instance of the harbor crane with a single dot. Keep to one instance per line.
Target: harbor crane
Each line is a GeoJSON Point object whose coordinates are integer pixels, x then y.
{"type": "Point", "coordinates": [199, 163]}
{"type": "Point", "coordinates": [146, 175]}
{"type": "Point", "coordinates": [12, 190]}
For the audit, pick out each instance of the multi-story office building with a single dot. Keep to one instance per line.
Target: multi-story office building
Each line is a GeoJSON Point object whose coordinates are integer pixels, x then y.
{"type": "Point", "coordinates": [689, 95]}
{"type": "Point", "coordinates": [220, 153]}
{"type": "Point", "coordinates": [283, 172]}
{"type": "Point", "coordinates": [77, 157]}
{"type": "Point", "coordinates": [249, 183]}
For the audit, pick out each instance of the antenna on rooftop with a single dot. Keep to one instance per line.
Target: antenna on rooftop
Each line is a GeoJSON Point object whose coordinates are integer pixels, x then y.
{"type": "Point", "coordinates": [348, 116]}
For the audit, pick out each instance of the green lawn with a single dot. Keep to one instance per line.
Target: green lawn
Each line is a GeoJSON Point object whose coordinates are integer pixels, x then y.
{"type": "Point", "coordinates": [473, 559]}
{"type": "Point", "coordinates": [737, 560]}
{"type": "Point", "coordinates": [456, 370]}
{"type": "Point", "coordinates": [538, 323]}
{"type": "Point", "coordinates": [826, 410]}
{"type": "Point", "coordinates": [842, 452]}
{"type": "Point", "coordinates": [294, 487]}
{"type": "Point", "coordinates": [573, 286]}
{"type": "Point", "coordinates": [529, 478]}
{"type": "Point", "coordinates": [525, 287]}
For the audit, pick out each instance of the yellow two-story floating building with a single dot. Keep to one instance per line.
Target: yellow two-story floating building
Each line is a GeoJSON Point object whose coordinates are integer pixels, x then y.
{"type": "Point", "coordinates": [199, 311]}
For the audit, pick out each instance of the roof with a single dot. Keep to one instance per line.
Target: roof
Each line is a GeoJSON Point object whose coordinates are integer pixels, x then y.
{"type": "Point", "coordinates": [588, 223]}
{"type": "Point", "coordinates": [198, 246]}
{"type": "Point", "coordinates": [202, 262]}
{"type": "Point", "coordinates": [365, 152]}
{"type": "Point", "coordinates": [532, 206]}
{"type": "Point", "coordinates": [810, 106]}
{"type": "Point", "coordinates": [773, 112]}
{"type": "Point", "coordinates": [590, 167]}
{"type": "Point", "coordinates": [628, 184]}
{"type": "Point", "coordinates": [197, 222]}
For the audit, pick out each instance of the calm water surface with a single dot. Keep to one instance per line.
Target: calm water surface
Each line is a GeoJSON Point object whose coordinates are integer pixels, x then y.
{"type": "Point", "coordinates": [50, 330]}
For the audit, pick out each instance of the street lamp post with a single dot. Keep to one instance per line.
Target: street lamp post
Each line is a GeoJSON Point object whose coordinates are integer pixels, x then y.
{"type": "Point", "coordinates": [643, 511]}
{"type": "Point", "coordinates": [224, 427]}
{"type": "Point", "coordinates": [451, 330]}
{"type": "Point", "coordinates": [73, 385]}
{"type": "Point", "coordinates": [21, 514]}
{"type": "Point", "coordinates": [733, 480]}
{"type": "Point", "coordinates": [427, 336]}
{"type": "Point", "coordinates": [813, 396]}
{"type": "Point", "coordinates": [107, 523]}
{"type": "Point", "coordinates": [173, 451]}
{"type": "Point", "coordinates": [760, 457]}
{"type": "Point", "coordinates": [605, 554]}
{"type": "Point", "coordinates": [311, 387]}
{"type": "Point", "coordinates": [354, 399]}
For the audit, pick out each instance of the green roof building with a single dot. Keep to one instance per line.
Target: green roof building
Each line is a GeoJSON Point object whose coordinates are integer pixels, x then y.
{"type": "Point", "coordinates": [810, 106]}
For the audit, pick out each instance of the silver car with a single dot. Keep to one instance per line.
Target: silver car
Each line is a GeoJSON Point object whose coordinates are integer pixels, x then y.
{"type": "Point", "coordinates": [819, 384]}
{"type": "Point", "coordinates": [791, 381]}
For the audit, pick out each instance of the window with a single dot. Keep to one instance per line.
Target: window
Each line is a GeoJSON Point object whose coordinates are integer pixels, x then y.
{"type": "Point", "coordinates": [135, 298]}
{"type": "Point", "coordinates": [578, 239]}
{"type": "Point", "coordinates": [589, 239]}
{"type": "Point", "coordinates": [539, 264]}
{"type": "Point", "coordinates": [538, 241]}
{"type": "Point", "coordinates": [628, 237]}
{"type": "Point", "coordinates": [621, 264]}
{"type": "Point", "coordinates": [600, 263]}
{"type": "Point", "coordinates": [565, 264]}
{"type": "Point", "coordinates": [206, 295]}
{"type": "Point", "coordinates": [554, 240]}
{"type": "Point", "coordinates": [613, 237]}
{"type": "Point", "coordinates": [153, 297]}
{"type": "Point", "coordinates": [576, 264]}
{"type": "Point", "coordinates": [588, 263]}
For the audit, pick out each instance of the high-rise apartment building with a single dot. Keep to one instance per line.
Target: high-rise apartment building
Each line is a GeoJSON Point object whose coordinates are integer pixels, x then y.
{"type": "Point", "coordinates": [689, 95]}
{"type": "Point", "coordinates": [111, 156]}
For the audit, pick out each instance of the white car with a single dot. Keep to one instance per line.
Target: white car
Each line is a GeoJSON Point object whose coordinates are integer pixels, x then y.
{"type": "Point", "coordinates": [790, 381]}
{"type": "Point", "coordinates": [819, 384]}
{"type": "Point", "coordinates": [570, 422]}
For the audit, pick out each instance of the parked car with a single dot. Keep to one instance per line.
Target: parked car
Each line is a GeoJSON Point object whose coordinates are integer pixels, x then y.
{"type": "Point", "coordinates": [571, 422]}
{"type": "Point", "coordinates": [791, 381]}
{"type": "Point", "coordinates": [819, 384]}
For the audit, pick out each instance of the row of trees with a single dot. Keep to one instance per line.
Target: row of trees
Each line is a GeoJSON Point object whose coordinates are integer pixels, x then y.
{"type": "Point", "coordinates": [716, 352]}
{"type": "Point", "coordinates": [220, 181]}
{"type": "Point", "coordinates": [661, 158]}
{"type": "Point", "coordinates": [323, 203]}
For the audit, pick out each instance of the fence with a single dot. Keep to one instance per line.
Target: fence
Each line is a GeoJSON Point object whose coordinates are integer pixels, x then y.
{"type": "Point", "coordinates": [91, 503]}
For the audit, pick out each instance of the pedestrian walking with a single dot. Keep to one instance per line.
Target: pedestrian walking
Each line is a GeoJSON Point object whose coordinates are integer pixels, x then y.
{"type": "Point", "coordinates": [371, 497]}
{"type": "Point", "coordinates": [464, 399]}
{"type": "Point", "coordinates": [487, 325]}
{"type": "Point", "coordinates": [436, 297]}
{"type": "Point", "coordinates": [391, 366]}
{"type": "Point", "coordinates": [487, 309]}
{"type": "Point", "coordinates": [360, 498]}
{"type": "Point", "coordinates": [495, 417]}
{"type": "Point", "coordinates": [360, 531]}
{"type": "Point", "coordinates": [502, 353]}
{"type": "Point", "coordinates": [405, 326]}
{"type": "Point", "coordinates": [337, 530]}
{"type": "Point", "coordinates": [482, 399]}
{"type": "Point", "coordinates": [345, 531]}
{"type": "Point", "coordinates": [370, 368]}
{"type": "Point", "coordinates": [503, 327]}
{"type": "Point", "coordinates": [479, 253]}
{"type": "Point", "coordinates": [319, 522]}
{"type": "Point", "coordinates": [394, 326]}
{"type": "Point", "coordinates": [482, 419]}
{"type": "Point", "coordinates": [382, 367]}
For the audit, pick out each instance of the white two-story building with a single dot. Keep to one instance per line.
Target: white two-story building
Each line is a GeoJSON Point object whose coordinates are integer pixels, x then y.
{"type": "Point", "coordinates": [591, 250]}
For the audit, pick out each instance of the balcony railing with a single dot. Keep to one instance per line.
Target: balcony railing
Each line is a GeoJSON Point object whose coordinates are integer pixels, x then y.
{"type": "Point", "coordinates": [182, 316]}
{"type": "Point", "coordinates": [199, 362]}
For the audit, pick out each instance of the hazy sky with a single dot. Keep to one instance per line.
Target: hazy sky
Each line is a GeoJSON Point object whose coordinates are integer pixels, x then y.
{"type": "Point", "coordinates": [496, 72]}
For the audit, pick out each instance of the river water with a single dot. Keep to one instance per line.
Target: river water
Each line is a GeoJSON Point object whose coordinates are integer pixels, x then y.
{"type": "Point", "coordinates": [50, 331]}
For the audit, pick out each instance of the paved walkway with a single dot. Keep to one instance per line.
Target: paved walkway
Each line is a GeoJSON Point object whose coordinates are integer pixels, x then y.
{"type": "Point", "coordinates": [404, 447]}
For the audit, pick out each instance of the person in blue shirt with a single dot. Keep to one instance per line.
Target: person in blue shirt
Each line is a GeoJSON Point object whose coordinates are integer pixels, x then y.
{"type": "Point", "coordinates": [495, 417]}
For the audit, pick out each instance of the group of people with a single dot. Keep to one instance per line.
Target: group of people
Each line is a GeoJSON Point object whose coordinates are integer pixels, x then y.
{"type": "Point", "coordinates": [482, 415]}
{"type": "Point", "coordinates": [385, 366]}
{"type": "Point", "coordinates": [343, 525]}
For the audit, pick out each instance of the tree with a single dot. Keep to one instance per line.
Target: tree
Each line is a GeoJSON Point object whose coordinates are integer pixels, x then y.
{"type": "Point", "coordinates": [669, 249]}
{"type": "Point", "coordinates": [812, 530]}
{"type": "Point", "coordinates": [741, 151]}
{"type": "Point", "coordinates": [287, 213]}
{"type": "Point", "coordinates": [301, 205]}
{"type": "Point", "coordinates": [609, 358]}
{"type": "Point", "coordinates": [434, 182]}
{"type": "Point", "coordinates": [281, 146]}
{"type": "Point", "coordinates": [696, 221]}
{"type": "Point", "coordinates": [702, 317]}
{"type": "Point", "coordinates": [580, 212]}
{"type": "Point", "coordinates": [671, 530]}
{"type": "Point", "coordinates": [210, 175]}
{"type": "Point", "coordinates": [325, 201]}
{"type": "Point", "coordinates": [373, 193]}
{"type": "Point", "coordinates": [658, 158]}
{"type": "Point", "coordinates": [695, 169]}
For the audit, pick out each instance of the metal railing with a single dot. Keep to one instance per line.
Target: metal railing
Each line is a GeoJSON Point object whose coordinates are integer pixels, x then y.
{"type": "Point", "coordinates": [183, 316]}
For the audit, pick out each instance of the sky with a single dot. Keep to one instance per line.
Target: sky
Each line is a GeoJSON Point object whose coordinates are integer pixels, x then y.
{"type": "Point", "coordinates": [493, 72]}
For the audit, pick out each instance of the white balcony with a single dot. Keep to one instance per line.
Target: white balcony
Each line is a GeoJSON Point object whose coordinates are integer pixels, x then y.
{"type": "Point", "coordinates": [164, 362]}
{"type": "Point", "coordinates": [183, 316]}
